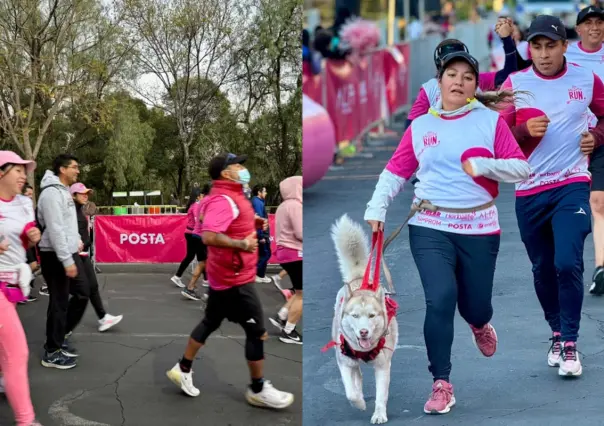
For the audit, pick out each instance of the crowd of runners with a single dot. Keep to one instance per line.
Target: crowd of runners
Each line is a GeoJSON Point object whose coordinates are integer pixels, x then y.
{"type": "Point", "coordinates": [538, 123]}
{"type": "Point", "coordinates": [53, 239]}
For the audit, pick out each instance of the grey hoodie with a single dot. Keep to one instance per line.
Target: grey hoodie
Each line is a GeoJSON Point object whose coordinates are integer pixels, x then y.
{"type": "Point", "coordinates": [58, 217]}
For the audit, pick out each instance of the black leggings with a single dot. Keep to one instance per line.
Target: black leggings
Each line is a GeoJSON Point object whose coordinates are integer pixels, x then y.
{"type": "Point", "coordinates": [455, 269]}
{"type": "Point", "coordinates": [192, 251]}
{"type": "Point", "coordinates": [95, 295]}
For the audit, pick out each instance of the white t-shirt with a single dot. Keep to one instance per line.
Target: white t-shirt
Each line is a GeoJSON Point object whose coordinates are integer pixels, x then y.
{"type": "Point", "coordinates": [16, 216]}
{"type": "Point", "coordinates": [590, 60]}
{"type": "Point", "coordinates": [555, 159]}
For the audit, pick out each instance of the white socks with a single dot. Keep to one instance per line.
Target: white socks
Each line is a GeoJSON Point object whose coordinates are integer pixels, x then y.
{"type": "Point", "coordinates": [289, 327]}
{"type": "Point", "coordinates": [283, 313]}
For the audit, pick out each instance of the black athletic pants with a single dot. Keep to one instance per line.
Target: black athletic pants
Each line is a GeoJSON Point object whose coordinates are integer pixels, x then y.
{"type": "Point", "coordinates": [64, 314]}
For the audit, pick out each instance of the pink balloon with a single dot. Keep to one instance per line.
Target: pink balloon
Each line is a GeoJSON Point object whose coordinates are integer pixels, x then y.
{"type": "Point", "coordinates": [318, 141]}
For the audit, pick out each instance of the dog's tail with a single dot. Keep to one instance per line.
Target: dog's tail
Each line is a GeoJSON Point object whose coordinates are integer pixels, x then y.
{"type": "Point", "coordinates": [352, 247]}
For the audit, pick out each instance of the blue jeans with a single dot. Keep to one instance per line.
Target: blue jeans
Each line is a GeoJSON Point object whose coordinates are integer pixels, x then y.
{"type": "Point", "coordinates": [553, 226]}
{"type": "Point", "coordinates": [264, 254]}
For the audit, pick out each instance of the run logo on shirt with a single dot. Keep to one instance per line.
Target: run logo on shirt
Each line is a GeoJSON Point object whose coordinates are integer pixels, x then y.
{"type": "Point", "coordinates": [575, 94]}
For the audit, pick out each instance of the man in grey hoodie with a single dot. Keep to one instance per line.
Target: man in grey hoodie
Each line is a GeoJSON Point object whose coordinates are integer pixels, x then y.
{"type": "Point", "coordinates": [61, 264]}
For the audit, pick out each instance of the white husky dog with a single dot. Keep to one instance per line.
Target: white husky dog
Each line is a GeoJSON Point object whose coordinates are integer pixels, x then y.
{"type": "Point", "coordinates": [362, 329]}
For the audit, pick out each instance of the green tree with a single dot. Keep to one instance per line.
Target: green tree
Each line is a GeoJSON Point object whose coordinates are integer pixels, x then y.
{"type": "Point", "coordinates": [183, 43]}
{"type": "Point", "coordinates": [51, 53]}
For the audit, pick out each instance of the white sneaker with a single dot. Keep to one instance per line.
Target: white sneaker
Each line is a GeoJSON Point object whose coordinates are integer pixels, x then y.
{"type": "Point", "coordinates": [269, 397]}
{"type": "Point", "coordinates": [176, 280]}
{"type": "Point", "coordinates": [109, 321]}
{"type": "Point", "coordinates": [205, 283]}
{"type": "Point", "coordinates": [570, 364]}
{"type": "Point", "coordinates": [264, 280]}
{"type": "Point", "coordinates": [183, 380]}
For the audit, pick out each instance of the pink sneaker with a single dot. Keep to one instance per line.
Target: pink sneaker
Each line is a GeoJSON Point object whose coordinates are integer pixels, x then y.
{"type": "Point", "coordinates": [441, 399]}
{"type": "Point", "coordinates": [554, 355]}
{"type": "Point", "coordinates": [485, 339]}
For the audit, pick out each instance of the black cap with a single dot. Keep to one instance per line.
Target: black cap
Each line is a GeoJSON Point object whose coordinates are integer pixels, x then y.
{"type": "Point", "coordinates": [547, 26]}
{"type": "Point", "coordinates": [589, 12]}
{"type": "Point", "coordinates": [455, 56]}
{"type": "Point", "coordinates": [221, 162]}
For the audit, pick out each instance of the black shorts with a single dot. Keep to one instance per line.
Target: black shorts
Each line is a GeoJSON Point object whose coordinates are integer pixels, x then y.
{"type": "Point", "coordinates": [294, 270]}
{"type": "Point", "coordinates": [596, 168]}
{"type": "Point", "coordinates": [238, 304]}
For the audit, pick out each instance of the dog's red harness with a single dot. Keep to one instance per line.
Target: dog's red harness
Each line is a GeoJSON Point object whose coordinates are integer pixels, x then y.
{"type": "Point", "coordinates": [391, 307]}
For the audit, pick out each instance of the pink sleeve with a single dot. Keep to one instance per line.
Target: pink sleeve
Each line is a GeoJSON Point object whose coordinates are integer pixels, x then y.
{"type": "Point", "coordinates": [486, 81]}
{"type": "Point", "coordinates": [24, 237]}
{"type": "Point", "coordinates": [404, 162]}
{"type": "Point", "coordinates": [217, 215]}
{"type": "Point", "coordinates": [509, 113]}
{"type": "Point", "coordinates": [420, 106]}
{"type": "Point", "coordinates": [506, 146]}
{"type": "Point", "coordinates": [597, 101]}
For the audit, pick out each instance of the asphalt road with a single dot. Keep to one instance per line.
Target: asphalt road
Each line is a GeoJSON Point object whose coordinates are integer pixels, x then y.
{"type": "Point", "coordinates": [120, 379]}
{"type": "Point", "coordinates": [513, 388]}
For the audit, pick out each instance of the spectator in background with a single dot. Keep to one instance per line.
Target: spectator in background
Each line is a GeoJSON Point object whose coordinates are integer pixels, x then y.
{"type": "Point", "coordinates": [264, 239]}
{"type": "Point", "coordinates": [32, 252]}
{"type": "Point", "coordinates": [311, 60]}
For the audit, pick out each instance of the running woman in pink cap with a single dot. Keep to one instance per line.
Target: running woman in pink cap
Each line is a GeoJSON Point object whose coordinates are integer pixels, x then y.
{"type": "Point", "coordinates": [19, 232]}
{"type": "Point", "coordinates": [79, 192]}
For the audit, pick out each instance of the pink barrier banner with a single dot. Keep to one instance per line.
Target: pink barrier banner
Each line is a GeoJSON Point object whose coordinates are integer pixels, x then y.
{"type": "Point", "coordinates": [370, 84]}
{"type": "Point", "coordinates": [140, 238]}
{"type": "Point", "coordinates": [147, 238]}
{"type": "Point", "coordinates": [354, 91]}
{"type": "Point", "coordinates": [342, 80]}
{"type": "Point", "coordinates": [397, 75]}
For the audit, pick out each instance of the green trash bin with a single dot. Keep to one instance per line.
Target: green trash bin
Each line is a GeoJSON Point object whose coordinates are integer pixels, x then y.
{"type": "Point", "coordinates": [120, 211]}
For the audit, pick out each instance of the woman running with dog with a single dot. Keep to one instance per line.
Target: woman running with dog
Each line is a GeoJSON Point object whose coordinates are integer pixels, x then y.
{"type": "Point", "coordinates": [461, 150]}
{"type": "Point", "coordinates": [19, 232]}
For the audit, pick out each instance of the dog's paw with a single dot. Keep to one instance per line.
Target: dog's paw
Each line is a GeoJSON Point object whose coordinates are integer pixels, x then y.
{"type": "Point", "coordinates": [359, 403]}
{"type": "Point", "coordinates": [379, 417]}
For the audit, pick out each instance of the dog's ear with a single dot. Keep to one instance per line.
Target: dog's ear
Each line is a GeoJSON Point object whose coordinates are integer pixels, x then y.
{"type": "Point", "coordinates": [349, 291]}
{"type": "Point", "coordinates": [380, 294]}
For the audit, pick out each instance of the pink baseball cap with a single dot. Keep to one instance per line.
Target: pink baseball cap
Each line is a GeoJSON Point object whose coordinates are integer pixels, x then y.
{"type": "Point", "coordinates": [9, 157]}
{"type": "Point", "coordinates": [79, 188]}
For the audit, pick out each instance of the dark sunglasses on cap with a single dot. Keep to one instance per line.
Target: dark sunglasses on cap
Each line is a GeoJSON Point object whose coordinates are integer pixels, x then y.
{"type": "Point", "coordinates": [447, 49]}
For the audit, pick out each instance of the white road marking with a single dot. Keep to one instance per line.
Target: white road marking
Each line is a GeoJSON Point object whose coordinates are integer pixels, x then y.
{"type": "Point", "coordinates": [59, 411]}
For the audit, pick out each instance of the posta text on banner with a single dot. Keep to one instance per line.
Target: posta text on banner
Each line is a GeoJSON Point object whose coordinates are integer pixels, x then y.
{"type": "Point", "coordinates": [146, 238]}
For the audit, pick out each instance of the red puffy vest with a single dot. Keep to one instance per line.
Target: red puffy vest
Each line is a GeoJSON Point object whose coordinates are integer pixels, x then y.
{"type": "Point", "coordinates": [233, 267]}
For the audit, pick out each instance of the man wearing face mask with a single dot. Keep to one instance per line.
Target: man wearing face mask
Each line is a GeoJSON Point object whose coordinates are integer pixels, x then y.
{"type": "Point", "coordinates": [229, 231]}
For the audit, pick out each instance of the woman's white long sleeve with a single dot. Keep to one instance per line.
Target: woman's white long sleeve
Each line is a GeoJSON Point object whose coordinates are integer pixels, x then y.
{"type": "Point", "coordinates": [387, 187]}
{"type": "Point", "coordinates": [508, 170]}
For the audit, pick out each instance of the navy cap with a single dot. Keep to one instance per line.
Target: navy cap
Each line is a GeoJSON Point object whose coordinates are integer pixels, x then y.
{"type": "Point", "coordinates": [547, 26]}
{"type": "Point", "coordinates": [589, 12]}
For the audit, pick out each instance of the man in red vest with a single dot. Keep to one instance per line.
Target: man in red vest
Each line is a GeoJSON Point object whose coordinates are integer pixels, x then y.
{"type": "Point", "coordinates": [229, 231]}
